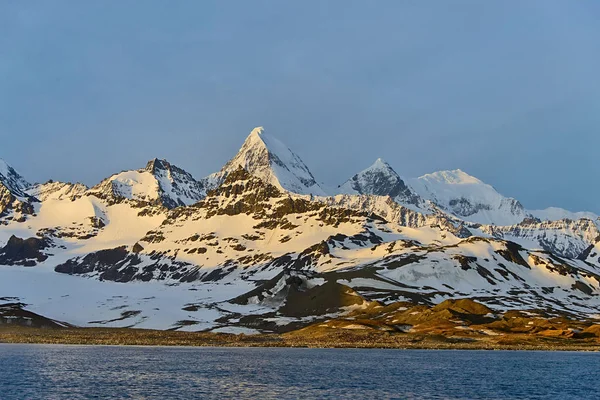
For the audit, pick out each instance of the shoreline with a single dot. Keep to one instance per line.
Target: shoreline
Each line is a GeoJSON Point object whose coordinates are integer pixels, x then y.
{"type": "Point", "coordinates": [330, 340]}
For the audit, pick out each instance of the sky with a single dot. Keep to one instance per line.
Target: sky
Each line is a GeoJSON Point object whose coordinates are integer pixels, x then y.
{"type": "Point", "coordinates": [506, 91]}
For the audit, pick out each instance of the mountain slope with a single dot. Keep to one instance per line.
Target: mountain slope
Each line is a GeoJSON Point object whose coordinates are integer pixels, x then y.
{"type": "Point", "coordinates": [152, 248]}
{"type": "Point", "coordinates": [565, 238]}
{"type": "Point", "coordinates": [52, 190]}
{"type": "Point", "coordinates": [270, 160]}
{"type": "Point", "coordinates": [160, 183]}
{"type": "Point", "coordinates": [270, 252]}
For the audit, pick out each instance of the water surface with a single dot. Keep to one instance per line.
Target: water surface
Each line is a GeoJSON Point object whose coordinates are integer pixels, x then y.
{"type": "Point", "coordinates": [90, 372]}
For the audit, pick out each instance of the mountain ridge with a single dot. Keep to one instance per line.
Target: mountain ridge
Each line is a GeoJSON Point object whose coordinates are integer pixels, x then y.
{"type": "Point", "coordinates": [252, 246]}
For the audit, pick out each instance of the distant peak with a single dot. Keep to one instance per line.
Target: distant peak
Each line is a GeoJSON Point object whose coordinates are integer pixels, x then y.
{"type": "Point", "coordinates": [12, 178]}
{"type": "Point", "coordinates": [256, 135]}
{"type": "Point", "coordinates": [272, 161]}
{"type": "Point", "coordinates": [380, 163]}
{"type": "Point", "coordinates": [156, 164]}
{"type": "Point", "coordinates": [455, 176]}
{"type": "Point", "coordinates": [256, 139]}
{"type": "Point", "coordinates": [257, 131]}
{"type": "Point", "coordinates": [4, 167]}
{"type": "Point", "coordinates": [379, 179]}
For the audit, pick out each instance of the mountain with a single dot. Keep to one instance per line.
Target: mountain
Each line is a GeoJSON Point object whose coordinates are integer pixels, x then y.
{"type": "Point", "coordinates": [252, 256]}
{"type": "Point", "coordinates": [270, 160]}
{"type": "Point", "coordinates": [158, 183]}
{"type": "Point", "coordinates": [247, 250]}
{"type": "Point", "coordinates": [564, 238]}
{"type": "Point", "coordinates": [555, 213]}
{"type": "Point", "coordinates": [380, 179]}
{"type": "Point", "coordinates": [468, 198]}
{"type": "Point", "coordinates": [454, 193]}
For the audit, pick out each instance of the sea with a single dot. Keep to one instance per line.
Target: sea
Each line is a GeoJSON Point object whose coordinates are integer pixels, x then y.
{"type": "Point", "coordinates": [115, 372]}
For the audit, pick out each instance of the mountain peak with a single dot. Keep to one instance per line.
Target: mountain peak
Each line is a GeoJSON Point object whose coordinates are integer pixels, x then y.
{"type": "Point", "coordinates": [379, 179]}
{"type": "Point", "coordinates": [380, 163]}
{"type": "Point", "coordinates": [468, 198]}
{"type": "Point", "coordinates": [272, 161]}
{"type": "Point", "coordinates": [257, 138]}
{"type": "Point", "coordinates": [256, 133]}
{"type": "Point", "coordinates": [160, 182]}
{"type": "Point", "coordinates": [452, 177]}
{"type": "Point", "coordinates": [157, 164]}
{"type": "Point", "coordinates": [12, 179]}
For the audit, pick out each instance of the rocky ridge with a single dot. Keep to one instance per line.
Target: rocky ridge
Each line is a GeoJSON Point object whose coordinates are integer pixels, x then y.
{"type": "Point", "coordinates": [259, 246]}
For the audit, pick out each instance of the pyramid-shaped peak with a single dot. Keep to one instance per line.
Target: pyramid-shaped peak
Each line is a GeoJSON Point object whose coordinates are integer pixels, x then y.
{"type": "Point", "coordinates": [380, 166]}
{"type": "Point", "coordinates": [256, 132]}
{"type": "Point", "coordinates": [12, 179]}
{"type": "Point", "coordinates": [157, 164]}
{"type": "Point", "coordinates": [272, 161]}
{"type": "Point", "coordinates": [380, 163]}
{"type": "Point", "coordinates": [258, 139]}
{"type": "Point", "coordinates": [379, 179]}
{"type": "Point", "coordinates": [5, 169]}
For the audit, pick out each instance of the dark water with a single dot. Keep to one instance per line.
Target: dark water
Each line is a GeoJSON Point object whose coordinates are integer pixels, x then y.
{"type": "Point", "coordinates": [76, 372]}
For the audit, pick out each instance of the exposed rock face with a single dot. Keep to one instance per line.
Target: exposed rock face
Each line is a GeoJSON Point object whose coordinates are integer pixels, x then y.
{"type": "Point", "coordinates": [15, 314]}
{"type": "Point", "coordinates": [19, 207]}
{"type": "Point", "coordinates": [385, 207]}
{"type": "Point", "coordinates": [380, 179]}
{"type": "Point", "coordinates": [177, 187]}
{"type": "Point", "coordinates": [6, 199]}
{"type": "Point", "coordinates": [270, 160]}
{"type": "Point", "coordinates": [13, 196]}
{"type": "Point", "coordinates": [121, 265]}
{"type": "Point", "coordinates": [25, 252]}
{"type": "Point", "coordinates": [392, 211]}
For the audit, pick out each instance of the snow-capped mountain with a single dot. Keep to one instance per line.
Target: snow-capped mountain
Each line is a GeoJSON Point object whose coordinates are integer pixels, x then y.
{"type": "Point", "coordinates": [158, 183]}
{"type": "Point", "coordinates": [152, 248]}
{"type": "Point", "coordinates": [270, 160]}
{"type": "Point", "coordinates": [468, 198]}
{"type": "Point", "coordinates": [555, 214]}
{"type": "Point", "coordinates": [454, 193]}
{"type": "Point", "coordinates": [565, 238]}
{"type": "Point", "coordinates": [380, 179]}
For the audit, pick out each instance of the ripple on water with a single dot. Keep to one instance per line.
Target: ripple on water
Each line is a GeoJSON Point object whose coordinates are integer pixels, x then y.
{"type": "Point", "coordinates": [81, 372]}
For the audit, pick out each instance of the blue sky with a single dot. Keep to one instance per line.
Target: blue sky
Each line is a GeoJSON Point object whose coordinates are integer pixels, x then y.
{"type": "Point", "coordinates": [507, 91]}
